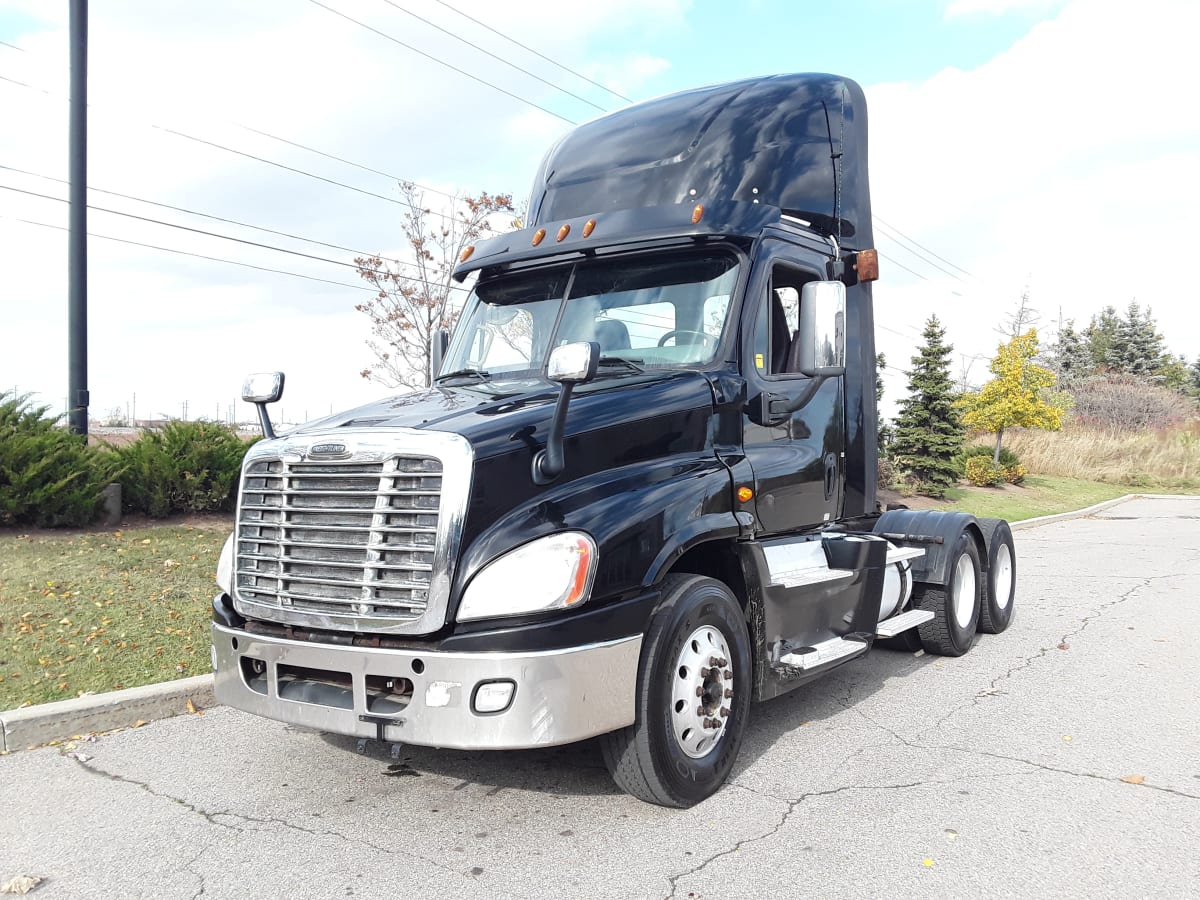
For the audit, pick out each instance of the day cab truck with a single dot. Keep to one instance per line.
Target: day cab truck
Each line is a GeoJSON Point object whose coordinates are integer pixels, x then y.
{"type": "Point", "coordinates": [641, 492]}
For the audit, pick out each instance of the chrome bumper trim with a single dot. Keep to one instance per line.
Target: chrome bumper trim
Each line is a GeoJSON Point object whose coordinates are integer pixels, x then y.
{"type": "Point", "coordinates": [561, 696]}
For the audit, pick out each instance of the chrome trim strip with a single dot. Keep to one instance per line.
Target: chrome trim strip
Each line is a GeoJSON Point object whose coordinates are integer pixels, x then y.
{"type": "Point", "coordinates": [374, 446]}
{"type": "Point", "coordinates": [561, 696]}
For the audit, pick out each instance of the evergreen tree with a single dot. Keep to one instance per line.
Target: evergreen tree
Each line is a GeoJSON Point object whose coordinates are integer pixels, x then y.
{"type": "Point", "coordinates": [928, 431]}
{"type": "Point", "coordinates": [1136, 347]}
{"type": "Point", "coordinates": [1070, 357]}
{"type": "Point", "coordinates": [1194, 371]}
{"type": "Point", "coordinates": [883, 431]}
{"type": "Point", "coordinates": [1100, 334]}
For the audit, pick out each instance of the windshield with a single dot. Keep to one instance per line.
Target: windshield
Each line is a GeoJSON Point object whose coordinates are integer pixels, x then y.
{"type": "Point", "coordinates": [649, 311]}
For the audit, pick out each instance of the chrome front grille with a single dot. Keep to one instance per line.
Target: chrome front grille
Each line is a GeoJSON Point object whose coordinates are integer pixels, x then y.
{"type": "Point", "coordinates": [347, 543]}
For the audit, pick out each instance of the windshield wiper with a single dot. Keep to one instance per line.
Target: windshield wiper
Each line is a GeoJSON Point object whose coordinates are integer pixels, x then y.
{"type": "Point", "coordinates": [630, 364]}
{"type": "Point", "coordinates": [462, 373]}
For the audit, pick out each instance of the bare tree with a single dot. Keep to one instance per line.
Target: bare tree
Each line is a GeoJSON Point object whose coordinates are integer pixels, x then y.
{"type": "Point", "coordinates": [1022, 318]}
{"type": "Point", "coordinates": [415, 298]}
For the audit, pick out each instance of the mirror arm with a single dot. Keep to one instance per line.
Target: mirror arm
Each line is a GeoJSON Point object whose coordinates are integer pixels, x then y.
{"type": "Point", "coordinates": [550, 461]}
{"type": "Point", "coordinates": [264, 421]}
{"type": "Point", "coordinates": [780, 407]}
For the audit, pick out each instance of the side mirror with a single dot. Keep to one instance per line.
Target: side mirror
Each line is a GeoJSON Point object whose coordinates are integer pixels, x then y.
{"type": "Point", "coordinates": [822, 328]}
{"type": "Point", "coordinates": [573, 363]}
{"type": "Point", "coordinates": [437, 352]}
{"type": "Point", "coordinates": [260, 389]}
{"type": "Point", "coordinates": [569, 365]}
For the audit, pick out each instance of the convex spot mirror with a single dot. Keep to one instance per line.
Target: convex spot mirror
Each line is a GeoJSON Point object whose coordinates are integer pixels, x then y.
{"type": "Point", "coordinates": [263, 387]}
{"type": "Point", "coordinates": [822, 328]}
{"type": "Point", "coordinates": [573, 363]}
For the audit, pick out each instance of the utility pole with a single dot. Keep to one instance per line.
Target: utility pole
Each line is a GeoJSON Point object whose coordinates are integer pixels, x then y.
{"type": "Point", "coordinates": [77, 389]}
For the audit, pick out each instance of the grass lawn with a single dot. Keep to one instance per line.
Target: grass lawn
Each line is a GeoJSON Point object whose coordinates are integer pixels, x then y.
{"type": "Point", "coordinates": [102, 610]}
{"type": "Point", "coordinates": [1039, 495]}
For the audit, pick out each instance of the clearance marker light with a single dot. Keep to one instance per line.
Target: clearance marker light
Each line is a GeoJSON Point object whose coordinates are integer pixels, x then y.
{"type": "Point", "coordinates": [745, 494]}
{"type": "Point", "coordinates": [588, 227]}
{"type": "Point", "coordinates": [698, 213]}
{"type": "Point", "coordinates": [466, 254]}
{"type": "Point", "coordinates": [867, 265]}
{"type": "Point", "coordinates": [539, 236]}
{"type": "Point", "coordinates": [563, 232]}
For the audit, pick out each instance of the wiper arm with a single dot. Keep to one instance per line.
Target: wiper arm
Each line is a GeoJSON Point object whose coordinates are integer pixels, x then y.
{"type": "Point", "coordinates": [462, 373]}
{"type": "Point", "coordinates": [630, 364]}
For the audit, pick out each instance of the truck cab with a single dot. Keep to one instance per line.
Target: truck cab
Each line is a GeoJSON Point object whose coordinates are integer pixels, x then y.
{"type": "Point", "coordinates": [641, 492]}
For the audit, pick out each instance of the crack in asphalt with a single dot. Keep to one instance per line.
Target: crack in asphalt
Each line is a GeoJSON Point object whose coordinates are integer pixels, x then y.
{"type": "Point", "coordinates": [214, 818]}
{"type": "Point", "coordinates": [794, 803]}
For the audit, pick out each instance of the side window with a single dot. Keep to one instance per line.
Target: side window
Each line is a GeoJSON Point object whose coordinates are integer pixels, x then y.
{"type": "Point", "coordinates": [778, 319]}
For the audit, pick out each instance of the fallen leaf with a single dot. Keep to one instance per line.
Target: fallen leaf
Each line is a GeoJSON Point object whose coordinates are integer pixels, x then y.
{"type": "Point", "coordinates": [928, 863]}
{"type": "Point", "coordinates": [80, 757]}
{"type": "Point", "coordinates": [139, 723]}
{"type": "Point", "coordinates": [191, 707]}
{"type": "Point", "coordinates": [22, 884]}
{"type": "Point", "coordinates": [951, 834]}
{"type": "Point", "coordinates": [1133, 779]}
{"type": "Point", "coordinates": [1066, 737]}
{"type": "Point", "coordinates": [1064, 646]}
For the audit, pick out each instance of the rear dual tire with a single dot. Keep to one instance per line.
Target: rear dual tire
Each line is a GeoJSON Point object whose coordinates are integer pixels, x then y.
{"type": "Point", "coordinates": [996, 609]}
{"type": "Point", "coordinates": [955, 606]}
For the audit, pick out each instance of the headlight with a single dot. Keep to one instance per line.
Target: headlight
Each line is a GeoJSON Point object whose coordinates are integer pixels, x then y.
{"type": "Point", "coordinates": [554, 572]}
{"type": "Point", "coordinates": [225, 567]}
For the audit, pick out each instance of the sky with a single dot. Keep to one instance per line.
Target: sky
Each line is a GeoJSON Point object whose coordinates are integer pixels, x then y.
{"type": "Point", "coordinates": [1045, 146]}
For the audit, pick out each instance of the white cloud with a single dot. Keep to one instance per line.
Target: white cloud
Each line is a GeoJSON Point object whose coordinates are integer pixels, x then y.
{"type": "Point", "coordinates": [1066, 163]}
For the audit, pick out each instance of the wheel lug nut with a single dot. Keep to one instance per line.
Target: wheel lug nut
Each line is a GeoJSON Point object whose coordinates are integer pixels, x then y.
{"type": "Point", "coordinates": [699, 691]}
{"type": "Point", "coordinates": [728, 675]}
{"type": "Point", "coordinates": [715, 661]}
{"type": "Point", "coordinates": [701, 711]}
{"type": "Point", "coordinates": [724, 712]}
{"type": "Point", "coordinates": [728, 693]}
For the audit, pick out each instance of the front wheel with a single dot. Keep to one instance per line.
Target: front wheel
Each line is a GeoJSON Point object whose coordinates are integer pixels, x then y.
{"type": "Point", "coordinates": [693, 697]}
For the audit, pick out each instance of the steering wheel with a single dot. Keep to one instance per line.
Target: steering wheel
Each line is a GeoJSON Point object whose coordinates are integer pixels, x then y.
{"type": "Point", "coordinates": [704, 337]}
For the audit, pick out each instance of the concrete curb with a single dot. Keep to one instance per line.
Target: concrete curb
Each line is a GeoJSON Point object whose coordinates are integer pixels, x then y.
{"type": "Point", "coordinates": [32, 726]}
{"type": "Point", "coordinates": [1089, 510]}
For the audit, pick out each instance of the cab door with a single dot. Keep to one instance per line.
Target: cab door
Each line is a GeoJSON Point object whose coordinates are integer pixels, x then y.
{"type": "Point", "coordinates": [794, 429]}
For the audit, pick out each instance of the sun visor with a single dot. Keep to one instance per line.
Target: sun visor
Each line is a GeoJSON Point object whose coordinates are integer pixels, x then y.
{"type": "Point", "coordinates": [796, 142]}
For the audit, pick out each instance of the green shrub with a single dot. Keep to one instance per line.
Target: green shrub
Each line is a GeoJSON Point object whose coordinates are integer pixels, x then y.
{"type": "Point", "coordinates": [982, 472]}
{"type": "Point", "coordinates": [185, 467]}
{"type": "Point", "coordinates": [971, 451]}
{"type": "Point", "coordinates": [48, 476]}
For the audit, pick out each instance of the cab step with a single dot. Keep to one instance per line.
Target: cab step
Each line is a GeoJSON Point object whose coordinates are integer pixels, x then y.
{"type": "Point", "coordinates": [889, 628]}
{"type": "Point", "coordinates": [822, 654]}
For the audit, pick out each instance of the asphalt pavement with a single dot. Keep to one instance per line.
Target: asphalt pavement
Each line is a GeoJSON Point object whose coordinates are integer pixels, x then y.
{"type": "Point", "coordinates": [1059, 759]}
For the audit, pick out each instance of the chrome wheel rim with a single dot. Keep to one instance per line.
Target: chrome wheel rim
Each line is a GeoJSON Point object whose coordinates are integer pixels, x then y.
{"type": "Point", "coordinates": [702, 692]}
{"type": "Point", "coordinates": [964, 590]}
{"type": "Point", "coordinates": [1002, 577]}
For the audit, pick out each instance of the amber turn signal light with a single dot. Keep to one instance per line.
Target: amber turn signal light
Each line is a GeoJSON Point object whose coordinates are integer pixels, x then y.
{"type": "Point", "coordinates": [539, 236]}
{"type": "Point", "coordinates": [867, 265]}
{"type": "Point", "coordinates": [466, 254]}
{"type": "Point", "coordinates": [745, 494]}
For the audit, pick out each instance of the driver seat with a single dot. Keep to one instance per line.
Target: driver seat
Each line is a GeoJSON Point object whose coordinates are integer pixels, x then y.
{"type": "Point", "coordinates": [611, 334]}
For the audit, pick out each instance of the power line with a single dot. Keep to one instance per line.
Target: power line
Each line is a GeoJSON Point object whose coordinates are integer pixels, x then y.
{"type": "Point", "coordinates": [552, 62]}
{"type": "Point", "coordinates": [922, 246]}
{"type": "Point", "coordinates": [226, 237]}
{"type": "Point", "coordinates": [483, 50]}
{"type": "Point", "coordinates": [442, 62]}
{"type": "Point", "coordinates": [268, 162]}
{"type": "Point", "coordinates": [920, 256]}
{"type": "Point", "coordinates": [232, 262]}
{"type": "Point", "coordinates": [901, 265]}
{"type": "Point", "coordinates": [11, 46]}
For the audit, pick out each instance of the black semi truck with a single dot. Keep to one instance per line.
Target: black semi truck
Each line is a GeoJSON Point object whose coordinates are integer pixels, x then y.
{"type": "Point", "coordinates": [642, 491]}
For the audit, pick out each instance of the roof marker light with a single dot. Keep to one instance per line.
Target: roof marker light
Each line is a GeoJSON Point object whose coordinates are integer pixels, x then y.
{"type": "Point", "coordinates": [539, 236]}
{"type": "Point", "coordinates": [698, 213]}
{"type": "Point", "coordinates": [563, 232]}
{"type": "Point", "coordinates": [466, 254]}
{"type": "Point", "coordinates": [588, 227]}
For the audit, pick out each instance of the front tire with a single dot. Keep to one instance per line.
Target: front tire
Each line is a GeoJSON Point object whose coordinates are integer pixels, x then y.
{"type": "Point", "coordinates": [693, 697]}
{"type": "Point", "coordinates": [955, 607]}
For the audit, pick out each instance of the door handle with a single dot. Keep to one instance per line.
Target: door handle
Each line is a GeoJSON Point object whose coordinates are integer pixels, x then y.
{"type": "Point", "coordinates": [830, 475]}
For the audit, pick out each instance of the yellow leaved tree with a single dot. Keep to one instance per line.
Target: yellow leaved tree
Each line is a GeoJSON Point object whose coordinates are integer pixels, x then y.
{"type": "Point", "coordinates": [1019, 396]}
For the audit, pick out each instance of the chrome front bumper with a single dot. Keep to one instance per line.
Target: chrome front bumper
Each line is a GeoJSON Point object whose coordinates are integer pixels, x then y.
{"type": "Point", "coordinates": [559, 696]}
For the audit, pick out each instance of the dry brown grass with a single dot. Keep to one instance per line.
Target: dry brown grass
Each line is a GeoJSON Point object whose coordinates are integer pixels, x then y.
{"type": "Point", "coordinates": [1160, 458]}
